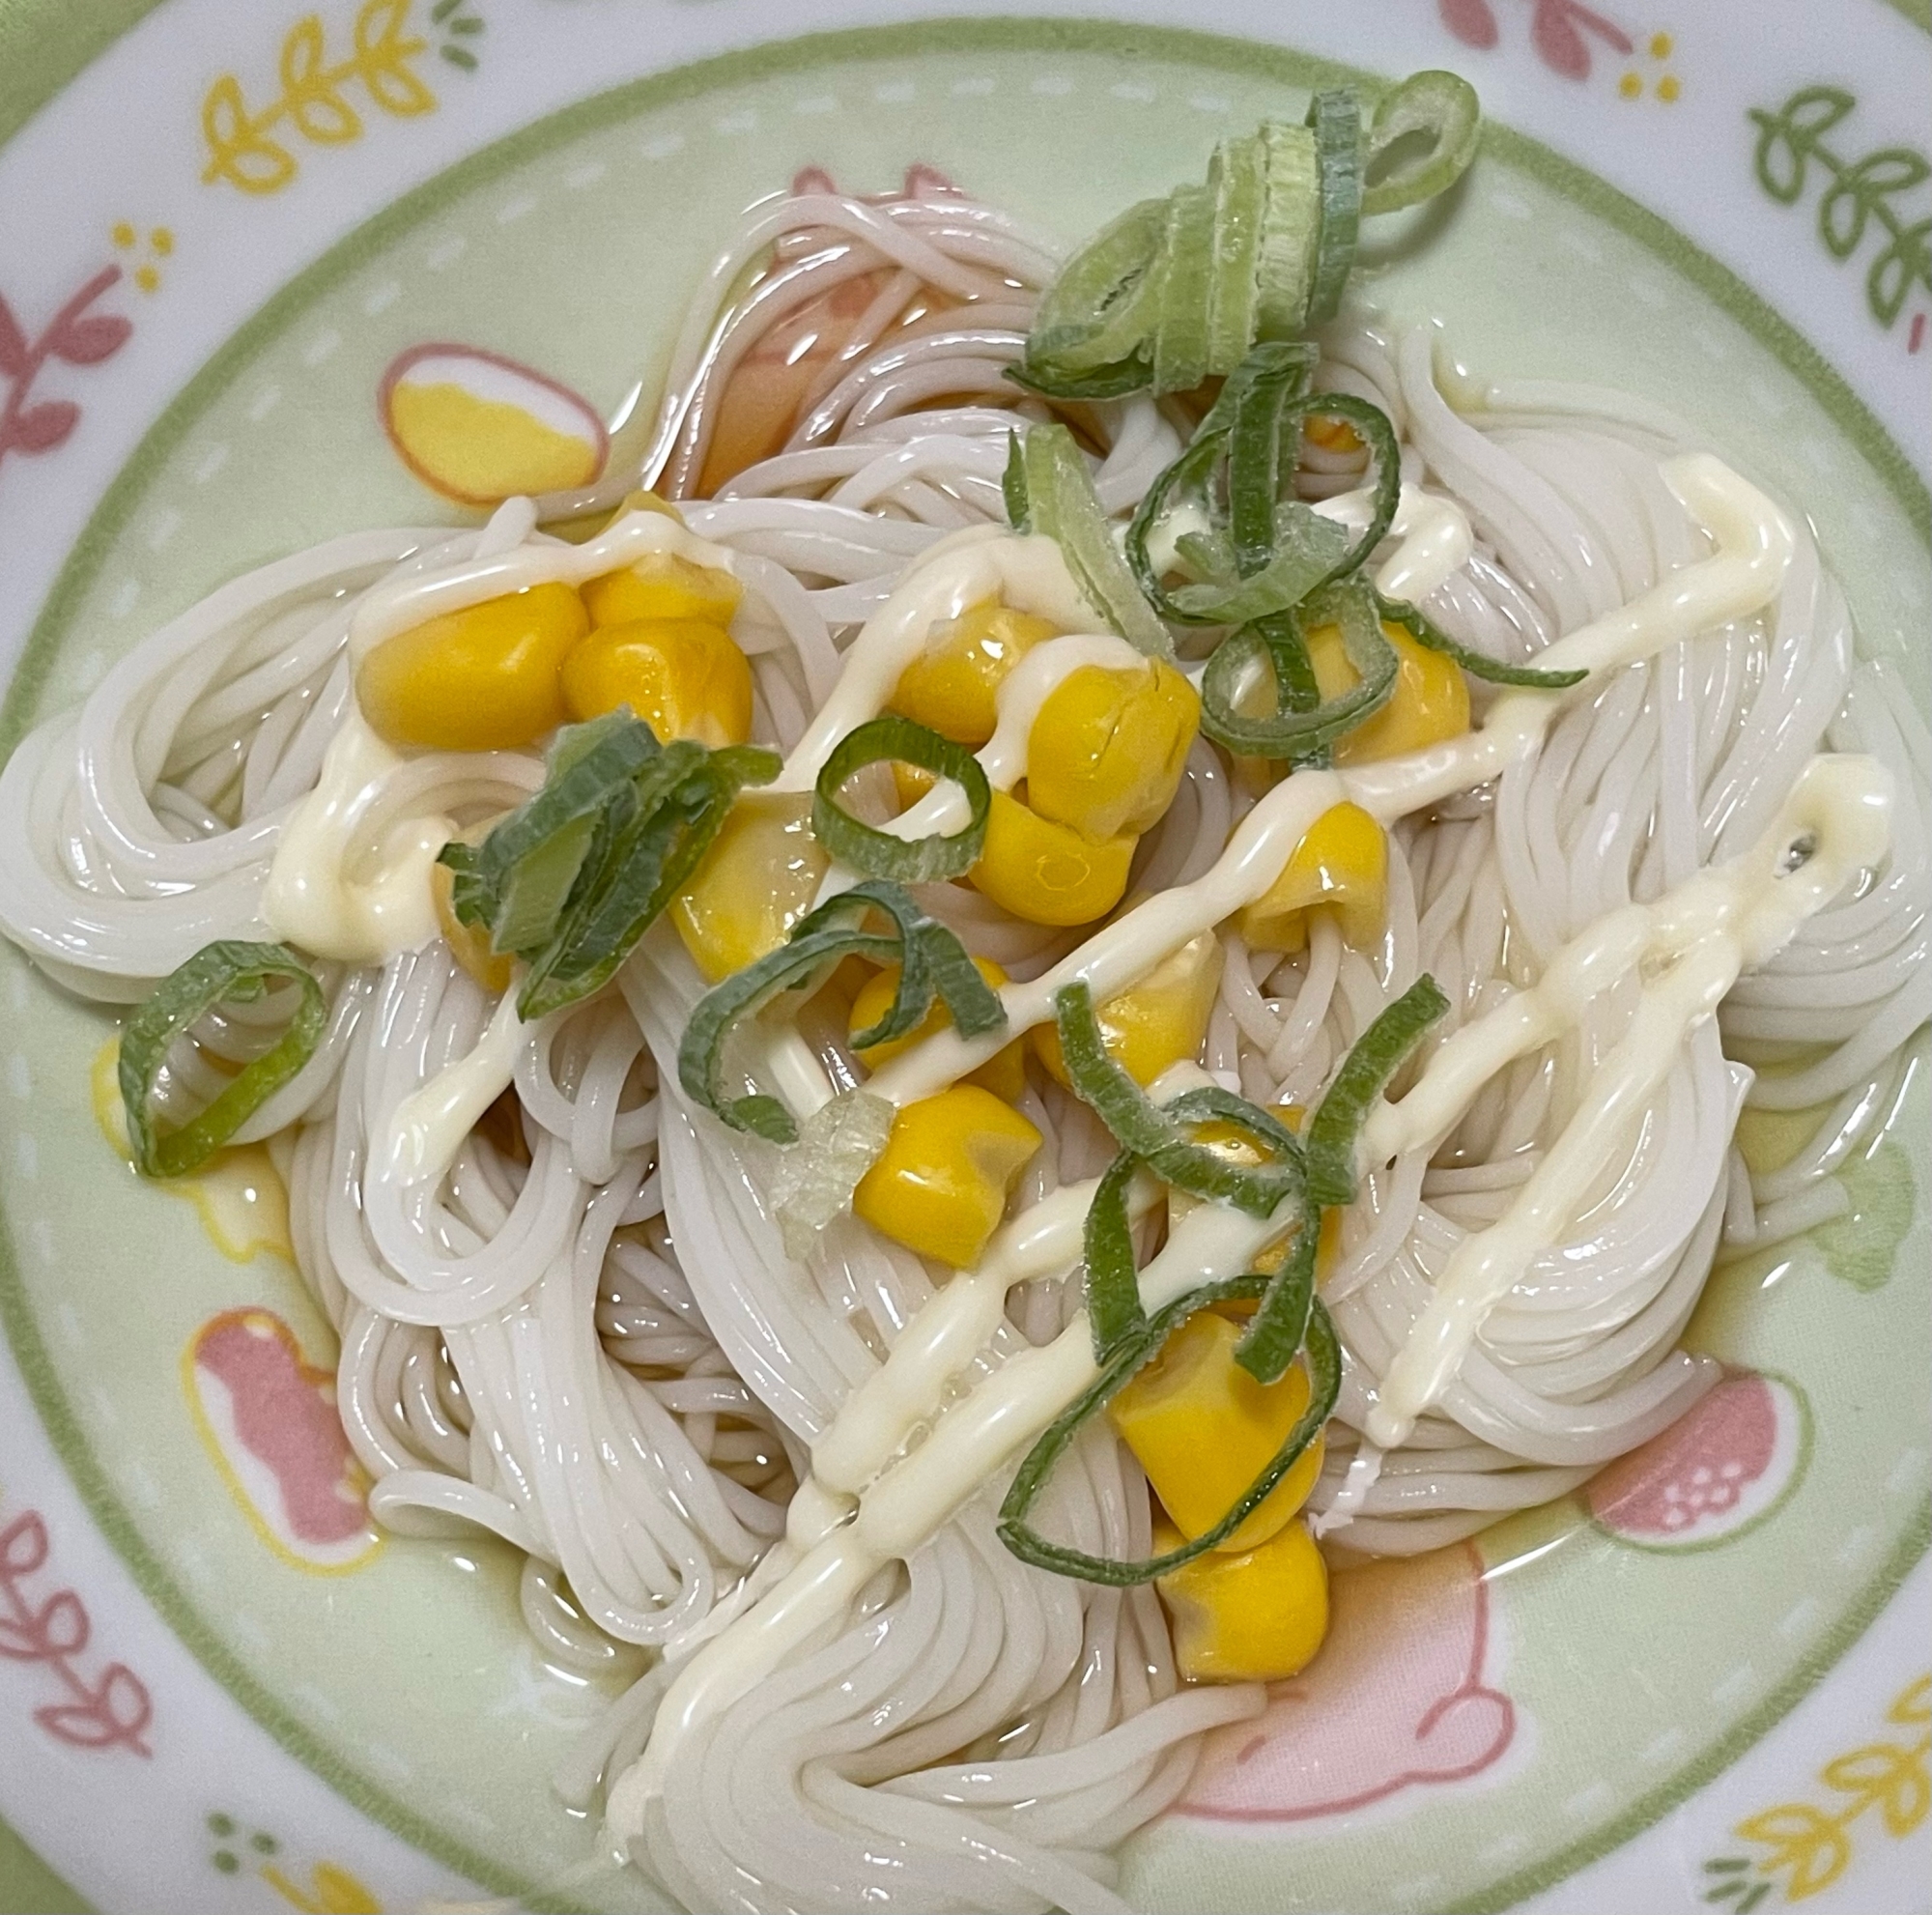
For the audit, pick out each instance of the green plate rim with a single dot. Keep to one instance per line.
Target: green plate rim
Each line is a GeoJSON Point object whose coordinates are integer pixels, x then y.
{"type": "Point", "coordinates": [1004, 33]}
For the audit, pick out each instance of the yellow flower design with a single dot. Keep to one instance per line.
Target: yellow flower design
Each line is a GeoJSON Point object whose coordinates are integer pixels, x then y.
{"type": "Point", "coordinates": [313, 99]}
{"type": "Point", "coordinates": [1810, 1847]}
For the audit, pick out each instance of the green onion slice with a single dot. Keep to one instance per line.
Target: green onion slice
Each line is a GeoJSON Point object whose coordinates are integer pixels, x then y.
{"type": "Point", "coordinates": [1275, 1333]}
{"type": "Point", "coordinates": [651, 843]}
{"type": "Point", "coordinates": [1284, 268]}
{"type": "Point", "coordinates": [1159, 1136]}
{"type": "Point", "coordinates": [1260, 554]}
{"type": "Point", "coordinates": [1372, 1061]}
{"type": "Point", "coordinates": [575, 876]}
{"type": "Point", "coordinates": [1294, 731]}
{"type": "Point", "coordinates": [878, 853]}
{"type": "Point", "coordinates": [230, 972]}
{"type": "Point", "coordinates": [1186, 280]}
{"type": "Point", "coordinates": [1336, 116]}
{"type": "Point", "coordinates": [1013, 484]}
{"type": "Point", "coordinates": [1478, 665]}
{"type": "Point", "coordinates": [1062, 505]}
{"type": "Point", "coordinates": [932, 963]}
{"type": "Point", "coordinates": [1421, 140]}
{"type": "Point", "coordinates": [1114, 1311]}
{"type": "Point", "coordinates": [1098, 309]}
{"type": "Point", "coordinates": [1133, 1354]}
{"type": "Point", "coordinates": [1237, 182]}
{"type": "Point", "coordinates": [1116, 381]}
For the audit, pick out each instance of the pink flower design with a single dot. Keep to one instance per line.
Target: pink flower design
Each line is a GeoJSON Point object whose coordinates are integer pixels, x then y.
{"type": "Point", "coordinates": [110, 1712]}
{"type": "Point", "coordinates": [1557, 31]}
{"type": "Point", "coordinates": [75, 337]}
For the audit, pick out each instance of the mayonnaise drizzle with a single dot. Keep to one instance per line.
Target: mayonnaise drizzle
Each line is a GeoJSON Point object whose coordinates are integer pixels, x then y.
{"type": "Point", "coordinates": [310, 899]}
{"type": "Point", "coordinates": [429, 1126]}
{"type": "Point", "coordinates": [1691, 945]}
{"type": "Point", "coordinates": [389, 609]}
{"type": "Point", "coordinates": [1028, 574]}
{"type": "Point", "coordinates": [976, 1435]}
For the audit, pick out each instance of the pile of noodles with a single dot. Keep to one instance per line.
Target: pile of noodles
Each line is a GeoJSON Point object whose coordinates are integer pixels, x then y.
{"type": "Point", "coordinates": [589, 1339]}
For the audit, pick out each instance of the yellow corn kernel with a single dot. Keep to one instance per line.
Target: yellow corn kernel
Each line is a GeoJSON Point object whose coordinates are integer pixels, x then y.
{"type": "Point", "coordinates": [1342, 863]}
{"type": "Point", "coordinates": [953, 686]}
{"type": "Point", "coordinates": [472, 948]}
{"type": "Point", "coordinates": [482, 679]}
{"type": "Point", "coordinates": [683, 676]}
{"type": "Point", "coordinates": [1203, 1429]}
{"type": "Point", "coordinates": [1049, 873]}
{"type": "Point", "coordinates": [911, 782]}
{"type": "Point", "coordinates": [663, 585]}
{"type": "Point", "coordinates": [1254, 1618]}
{"type": "Point", "coordinates": [1003, 1073]}
{"type": "Point", "coordinates": [1159, 1022]}
{"type": "Point", "coordinates": [1332, 435]}
{"type": "Point", "coordinates": [1106, 753]}
{"type": "Point", "coordinates": [756, 881]}
{"type": "Point", "coordinates": [1429, 703]}
{"type": "Point", "coordinates": [940, 1185]}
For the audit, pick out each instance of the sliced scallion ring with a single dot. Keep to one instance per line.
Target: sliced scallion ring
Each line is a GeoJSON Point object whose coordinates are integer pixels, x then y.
{"type": "Point", "coordinates": [1373, 1060]}
{"type": "Point", "coordinates": [1478, 665]}
{"type": "Point", "coordinates": [1132, 1355]}
{"type": "Point", "coordinates": [1098, 309]}
{"type": "Point", "coordinates": [931, 962]}
{"type": "Point", "coordinates": [1421, 140]}
{"type": "Point", "coordinates": [1159, 1137]}
{"type": "Point", "coordinates": [1114, 1311]}
{"type": "Point", "coordinates": [1187, 278]}
{"type": "Point", "coordinates": [228, 972]}
{"type": "Point", "coordinates": [878, 853]}
{"type": "Point", "coordinates": [1288, 732]}
{"type": "Point", "coordinates": [1336, 117]}
{"type": "Point", "coordinates": [1061, 505]}
{"type": "Point", "coordinates": [1238, 180]}
{"type": "Point", "coordinates": [1291, 214]}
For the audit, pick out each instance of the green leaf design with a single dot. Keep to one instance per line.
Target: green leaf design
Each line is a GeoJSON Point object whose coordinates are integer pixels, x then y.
{"type": "Point", "coordinates": [1861, 1247]}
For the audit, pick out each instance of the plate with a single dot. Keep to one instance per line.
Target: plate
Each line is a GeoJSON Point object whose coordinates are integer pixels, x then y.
{"type": "Point", "coordinates": [1702, 1685]}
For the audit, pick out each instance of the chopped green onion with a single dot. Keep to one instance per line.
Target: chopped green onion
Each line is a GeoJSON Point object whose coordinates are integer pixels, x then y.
{"type": "Point", "coordinates": [1178, 289]}
{"type": "Point", "coordinates": [1109, 382]}
{"type": "Point", "coordinates": [1114, 1311]}
{"type": "Point", "coordinates": [1098, 309]}
{"type": "Point", "coordinates": [575, 876]}
{"type": "Point", "coordinates": [932, 961]}
{"type": "Point", "coordinates": [1421, 140]}
{"type": "Point", "coordinates": [228, 972]}
{"type": "Point", "coordinates": [1061, 505]}
{"type": "Point", "coordinates": [1159, 1137]}
{"type": "Point", "coordinates": [1275, 1331]}
{"type": "Point", "coordinates": [1288, 732]}
{"type": "Point", "coordinates": [1373, 1060]}
{"type": "Point", "coordinates": [1260, 554]}
{"type": "Point", "coordinates": [642, 862]}
{"type": "Point", "coordinates": [1284, 269]}
{"type": "Point", "coordinates": [1477, 664]}
{"type": "Point", "coordinates": [1013, 484]}
{"type": "Point", "coordinates": [1336, 116]}
{"type": "Point", "coordinates": [1238, 180]}
{"type": "Point", "coordinates": [515, 882]}
{"type": "Point", "coordinates": [1181, 330]}
{"type": "Point", "coordinates": [1133, 1354]}
{"type": "Point", "coordinates": [878, 853]}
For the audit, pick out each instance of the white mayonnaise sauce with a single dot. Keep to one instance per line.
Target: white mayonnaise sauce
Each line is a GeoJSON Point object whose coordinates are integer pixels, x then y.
{"type": "Point", "coordinates": [429, 1126]}
{"type": "Point", "coordinates": [1734, 920]}
{"type": "Point", "coordinates": [981, 562]}
{"type": "Point", "coordinates": [389, 609]}
{"type": "Point", "coordinates": [311, 901]}
{"type": "Point", "coordinates": [1691, 946]}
